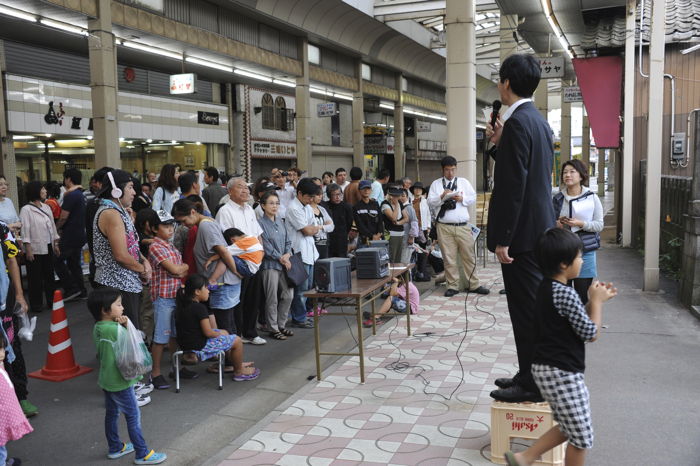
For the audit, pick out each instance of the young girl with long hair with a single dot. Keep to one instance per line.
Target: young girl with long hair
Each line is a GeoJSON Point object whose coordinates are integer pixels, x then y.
{"type": "Point", "coordinates": [195, 333]}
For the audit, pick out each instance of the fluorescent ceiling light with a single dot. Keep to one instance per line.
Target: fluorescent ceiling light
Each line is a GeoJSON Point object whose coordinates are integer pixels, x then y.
{"type": "Point", "coordinates": [385, 105]}
{"type": "Point", "coordinates": [154, 50]}
{"type": "Point", "coordinates": [282, 82]}
{"type": "Point", "coordinates": [557, 31]}
{"type": "Point", "coordinates": [19, 137]}
{"type": "Point", "coordinates": [17, 13]}
{"type": "Point", "coordinates": [253, 75]}
{"type": "Point", "coordinates": [342, 96]}
{"type": "Point", "coordinates": [209, 64]}
{"type": "Point", "coordinates": [318, 90]}
{"type": "Point", "coordinates": [690, 49]}
{"type": "Point", "coordinates": [63, 26]}
{"type": "Point", "coordinates": [89, 138]}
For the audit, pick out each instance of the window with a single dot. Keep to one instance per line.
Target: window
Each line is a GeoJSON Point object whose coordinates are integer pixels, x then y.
{"type": "Point", "coordinates": [314, 54]}
{"type": "Point", "coordinates": [268, 112]}
{"type": "Point", "coordinates": [280, 113]}
{"type": "Point", "coordinates": [366, 72]}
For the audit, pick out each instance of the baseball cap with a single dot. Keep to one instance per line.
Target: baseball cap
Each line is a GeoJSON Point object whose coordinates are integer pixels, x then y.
{"type": "Point", "coordinates": [165, 217]}
{"type": "Point", "coordinates": [394, 191]}
{"type": "Point", "coordinates": [365, 184]}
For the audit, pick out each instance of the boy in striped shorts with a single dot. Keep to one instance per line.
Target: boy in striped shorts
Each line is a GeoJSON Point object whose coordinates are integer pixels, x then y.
{"type": "Point", "coordinates": [563, 326]}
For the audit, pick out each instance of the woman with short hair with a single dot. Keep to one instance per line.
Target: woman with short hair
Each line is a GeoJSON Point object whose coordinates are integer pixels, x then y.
{"type": "Point", "coordinates": [40, 244]}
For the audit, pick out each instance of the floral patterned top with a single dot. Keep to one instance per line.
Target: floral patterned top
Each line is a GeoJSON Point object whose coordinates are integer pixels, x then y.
{"type": "Point", "coordinates": [108, 271]}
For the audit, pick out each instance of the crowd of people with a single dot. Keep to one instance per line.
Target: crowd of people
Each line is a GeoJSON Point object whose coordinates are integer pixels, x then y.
{"type": "Point", "coordinates": [189, 259]}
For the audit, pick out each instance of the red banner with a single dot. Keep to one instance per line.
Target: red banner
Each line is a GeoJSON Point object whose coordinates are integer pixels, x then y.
{"type": "Point", "coordinates": [600, 80]}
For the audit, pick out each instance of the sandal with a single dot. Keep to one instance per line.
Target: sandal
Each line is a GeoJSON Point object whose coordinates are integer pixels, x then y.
{"type": "Point", "coordinates": [278, 336]}
{"type": "Point", "coordinates": [286, 332]}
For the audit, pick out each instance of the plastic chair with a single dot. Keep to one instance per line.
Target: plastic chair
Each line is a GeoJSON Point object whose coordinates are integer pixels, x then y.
{"type": "Point", "coordinates": [176, 364]}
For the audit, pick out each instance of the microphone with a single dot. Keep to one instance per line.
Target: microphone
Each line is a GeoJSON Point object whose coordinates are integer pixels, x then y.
{"type": "Point", "coordinates": [494, 113]}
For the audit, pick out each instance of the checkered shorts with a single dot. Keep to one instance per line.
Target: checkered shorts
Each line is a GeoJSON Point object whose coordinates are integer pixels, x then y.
{"type": "Point", "coordinates": [567, 395]}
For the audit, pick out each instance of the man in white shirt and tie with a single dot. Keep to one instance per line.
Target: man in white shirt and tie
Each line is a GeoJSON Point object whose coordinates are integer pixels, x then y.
{"type": "Point", "coordinates": [450, 196]}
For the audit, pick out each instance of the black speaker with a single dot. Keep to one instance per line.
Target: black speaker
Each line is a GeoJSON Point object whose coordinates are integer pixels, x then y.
{"type": "Point", "coordinates": [332, 275]}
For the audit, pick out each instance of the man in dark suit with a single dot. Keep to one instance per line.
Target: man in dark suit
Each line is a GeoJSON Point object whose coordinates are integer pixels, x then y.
{"type": "Point", "coordinates": [520, 210]}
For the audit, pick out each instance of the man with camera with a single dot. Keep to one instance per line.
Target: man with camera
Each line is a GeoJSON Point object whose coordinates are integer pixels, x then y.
{"type": "Point", "coordinates": [285, 191]}
{"type": "Point", "coordinates": [450, 196]}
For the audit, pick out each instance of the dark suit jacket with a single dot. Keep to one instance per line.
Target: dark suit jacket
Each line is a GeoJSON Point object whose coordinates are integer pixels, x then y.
{"type": "Point", "coordinates": [521, 203]}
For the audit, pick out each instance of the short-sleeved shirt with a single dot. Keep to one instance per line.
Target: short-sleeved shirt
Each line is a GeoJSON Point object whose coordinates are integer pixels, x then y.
{"type": "Point", "coordinates": [109, 378]}
{"type": "Point", "coordinates": [163, 285]}
{"type": "Point", "coordinates": [189, 328]}
{"type": "Point", "coordinates": [413, 294]}
{"type": "Point", "coordinates": [73, 232]}
{"type": "Point", "coordinates": [298, 217]}
{"type": "Point", "coordinates": [232, 215]}
{"type": "Point", "coordinates": [209, 235]}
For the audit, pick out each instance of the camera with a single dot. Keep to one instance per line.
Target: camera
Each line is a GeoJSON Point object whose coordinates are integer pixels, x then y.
{"type": "Point", "coordinates": [449, 204]}
{"type": "Point", "coordinates": [283, 173]}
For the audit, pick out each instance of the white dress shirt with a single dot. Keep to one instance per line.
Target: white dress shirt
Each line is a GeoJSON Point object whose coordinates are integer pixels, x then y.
{"type": "Point", "coordinates": [298, 217]}
{"type": "Point", "coordinates": [232, 215]}
{"type": "Point", "coordinates": [460, 214]}
{"type": "Point", "coordinates": [512, 108]}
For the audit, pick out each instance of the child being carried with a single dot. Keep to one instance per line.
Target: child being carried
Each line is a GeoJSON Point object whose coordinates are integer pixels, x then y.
{"type": "Point", "coordinates": [247, 253]}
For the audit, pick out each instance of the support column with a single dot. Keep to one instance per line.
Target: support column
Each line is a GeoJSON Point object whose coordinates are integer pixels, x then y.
{"type": "Point", "coordinates": [586, 140]}
{"type": "Point", "coordinates": [461, 87]}
{"type": "Point", "coordinates": [399, 146]}
{"type": "Point", "coordinates": [358, 120]}
{"type": "Point", "coordinates": [652, 222]}
{"type": "Point", "coordinates": [601, 171]}
{"type": "Point", "coordinates": [7, 148]}
{"type": "Point", "coordinates": [103, 83]}
{"type": "Point", "coordinates": [612, 162]}
{"type": "Point", "coordinates": [541, 96]}
{"type": "Point", "coordinates": [303, 110]}
{"type": "Point", "coordinates": [565, 146]}
{"type": "Point", "coordinates": [628, 131]}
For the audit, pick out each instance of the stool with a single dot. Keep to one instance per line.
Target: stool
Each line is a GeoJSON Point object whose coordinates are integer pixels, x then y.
{"type": "Point", "coordinates": [176, 364]}
{"type": "Point", "coordinates": [522, 420]}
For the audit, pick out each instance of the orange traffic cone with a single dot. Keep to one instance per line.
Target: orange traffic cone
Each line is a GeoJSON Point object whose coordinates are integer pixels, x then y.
{"type": "Point", "coordinates": [60, 362]}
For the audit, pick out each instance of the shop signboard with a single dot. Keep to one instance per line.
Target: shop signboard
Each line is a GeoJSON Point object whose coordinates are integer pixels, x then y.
{"type": "Point", "coordinates": [551, 67]}
{"type": "Point", "coordinates": [182, 83]}
{"type": "Point", "coordinates": [572, 94]}
{"type": "Point", "coordinates": [326, 109]}
{"type": "Point", "coordinates": [423, 126]}
{"type": "Point", "coordinates": [208, 118]}
{"type": "Point", "coordinates": [271, 149]}
{"type": "Point", "coordinates": [390, 145]}
{"type": "Point", "coordinates": [375, 144]}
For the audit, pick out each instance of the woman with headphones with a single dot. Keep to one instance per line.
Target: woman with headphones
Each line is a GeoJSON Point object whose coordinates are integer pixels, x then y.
{"type": "Point", "coordinates": [118, 260]}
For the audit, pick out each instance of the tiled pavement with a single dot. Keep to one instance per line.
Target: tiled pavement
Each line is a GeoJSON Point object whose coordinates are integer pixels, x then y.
{"type": "Point", "coordinates": [425, 401]}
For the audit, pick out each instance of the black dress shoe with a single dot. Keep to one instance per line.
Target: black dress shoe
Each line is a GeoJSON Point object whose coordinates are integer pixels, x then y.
{"type": "Point", "coordinates": [480, 290]}
{"type": "Point", "coordinates": [503, 291]}
{"type": "Point", "coordinates": [504, 382]}
{"type": "Point", "coordinates": [450, 292]}
{"type": "Point", "coordinates": [516, 394]}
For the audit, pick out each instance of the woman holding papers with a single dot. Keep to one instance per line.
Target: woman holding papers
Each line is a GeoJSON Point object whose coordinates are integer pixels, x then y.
{"type": "Point", "coordinates": [579, 210]}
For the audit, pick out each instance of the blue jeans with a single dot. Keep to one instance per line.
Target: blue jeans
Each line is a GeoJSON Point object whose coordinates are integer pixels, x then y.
{"type": "Point", "coordinates": [3, 455]}
{"type": "Point", "coordinates": [164, 313]}
{"type": "Point", "coordinates": [69, 270]}
{"type": "Point", "coordinates": [125, 402]}
{"type": "Point", "coordinates": [298, 309]}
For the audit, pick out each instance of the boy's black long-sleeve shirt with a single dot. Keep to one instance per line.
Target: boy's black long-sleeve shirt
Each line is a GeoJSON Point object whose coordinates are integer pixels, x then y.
{"type": "Point", "coordinates": [368, 219]}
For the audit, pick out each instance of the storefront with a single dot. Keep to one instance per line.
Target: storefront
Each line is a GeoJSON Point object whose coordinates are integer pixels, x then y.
{"type": "Point", "coordinates": [51, 127]}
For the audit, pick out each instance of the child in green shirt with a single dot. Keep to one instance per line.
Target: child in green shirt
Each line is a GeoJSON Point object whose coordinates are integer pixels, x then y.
{"type": "Point", "coordinates": [105, 304]}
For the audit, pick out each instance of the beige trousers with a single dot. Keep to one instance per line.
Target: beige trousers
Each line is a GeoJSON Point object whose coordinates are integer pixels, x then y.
{"type": "Point", "coordinates": [457, 241]}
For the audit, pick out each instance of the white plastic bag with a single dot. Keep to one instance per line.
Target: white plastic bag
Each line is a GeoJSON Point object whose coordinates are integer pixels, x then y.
{"type": "Point", "coordinates": [133, 358]}
{"type": "Point", "coordinates": [26, 325]}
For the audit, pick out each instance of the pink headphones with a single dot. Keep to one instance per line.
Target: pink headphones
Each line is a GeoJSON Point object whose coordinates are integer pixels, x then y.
{"type": "Point", "coordinates": [116, 193]}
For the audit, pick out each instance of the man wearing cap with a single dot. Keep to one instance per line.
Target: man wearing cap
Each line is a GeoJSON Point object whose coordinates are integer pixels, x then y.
{"type": "Point", "coordinates": [420, 205]}
{"type": "Point", "coordinates": [366, 215]}
{"type": "Point", "coordinates": [341, 213]}
{"type": "Point", "coordinates": [451, 196]}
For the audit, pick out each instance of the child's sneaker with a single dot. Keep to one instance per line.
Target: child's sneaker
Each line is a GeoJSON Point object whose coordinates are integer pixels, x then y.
{"type": "Point", "coordinates": [151, 458]}
{"type": "Point", "coordinates": [143, 388]}
{"type": "Point", "coordinates": [142, 400]}
{"type": "Point", "coordinates": [28, 409]}
{"type": "Point", "coordinates": [310, 313]}
{"type": "Point", "coordinates": [126, 449]}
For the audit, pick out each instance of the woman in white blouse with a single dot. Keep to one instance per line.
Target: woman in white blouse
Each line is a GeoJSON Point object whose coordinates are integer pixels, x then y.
{"type": "Point", "coordinates": [40, 245]}
{"type": "Point", "coordinates": [579, 209]}
{"type": "Point", "coordinates": [168, 191]}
